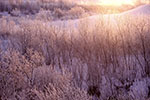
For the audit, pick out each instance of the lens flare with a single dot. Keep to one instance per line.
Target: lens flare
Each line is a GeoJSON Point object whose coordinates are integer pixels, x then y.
{"type": "Point", "coordinates": [116, 2]}
{"type": "Point", "coordinates": [108, 2]}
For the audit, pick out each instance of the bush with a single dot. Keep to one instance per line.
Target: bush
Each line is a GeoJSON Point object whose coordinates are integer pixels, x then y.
{"type": "Point", "coordinates": [107, 60]}
{"type": "Point", "coordinates": [21, 78]}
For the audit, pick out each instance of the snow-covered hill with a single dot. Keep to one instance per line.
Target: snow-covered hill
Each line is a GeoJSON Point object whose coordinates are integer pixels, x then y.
{"type": "Point", "coordinates": [109, 18]}
{"type": "Point", "coordinates": [141, 10]}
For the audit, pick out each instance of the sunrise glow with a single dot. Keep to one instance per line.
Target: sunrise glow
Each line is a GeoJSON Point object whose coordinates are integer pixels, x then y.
{"type": "Point", "coordinates": [108, 2]}
{"type": "Point", "coordinates": [116, 2]}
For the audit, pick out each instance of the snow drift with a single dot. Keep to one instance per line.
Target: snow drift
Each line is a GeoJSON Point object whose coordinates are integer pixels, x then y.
{"type": "Point", "coordinates": [141, 10]}
{"type": "Point", "coordinates": [92, 21]}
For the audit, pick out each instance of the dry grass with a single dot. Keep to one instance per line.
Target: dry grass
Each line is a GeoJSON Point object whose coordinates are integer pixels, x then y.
{"type": "Point", "coordinates": [34, 54]}
{"type": "Point", "coordinates": [50, 10]}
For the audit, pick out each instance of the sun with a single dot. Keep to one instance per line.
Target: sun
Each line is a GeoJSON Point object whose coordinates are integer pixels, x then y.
{"type": "Point", "coordinates": [116, 2]}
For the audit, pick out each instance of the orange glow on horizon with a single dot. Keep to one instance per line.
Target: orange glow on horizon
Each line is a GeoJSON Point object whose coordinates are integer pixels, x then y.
{"type": "Point", "coordinates": [116, 2]}
{"type": "Point", "coordinates": [110, 2]}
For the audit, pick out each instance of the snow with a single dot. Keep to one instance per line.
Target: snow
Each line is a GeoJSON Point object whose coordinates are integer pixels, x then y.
{"type": "Point", "coordinates": [139, 90]}
{"type": "Point", "coordinates": [4, 14]}
{"type": "Point", "coordinates": [141, 10]}
{"type": "Point", "coordinates": [92, 21]}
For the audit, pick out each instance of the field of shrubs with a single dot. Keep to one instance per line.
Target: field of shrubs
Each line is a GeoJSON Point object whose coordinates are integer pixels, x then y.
{"type": "Point", "coordinates": [41, 61]}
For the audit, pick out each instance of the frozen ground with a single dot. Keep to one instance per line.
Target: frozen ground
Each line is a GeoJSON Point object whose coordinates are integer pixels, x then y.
{"type": "Point", "coordinates": [111, 18]}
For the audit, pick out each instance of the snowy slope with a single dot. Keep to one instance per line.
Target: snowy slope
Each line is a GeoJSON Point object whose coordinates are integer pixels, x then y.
{"type": "Point", "coordinates": [110, 18]}
{"type": "Point", "coordinates": [141, 10]}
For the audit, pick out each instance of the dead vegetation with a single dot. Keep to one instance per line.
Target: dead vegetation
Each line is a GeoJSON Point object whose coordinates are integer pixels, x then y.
{"type": "Point", "coordinates": [39, 61]}
{"type": "Point", "coordinates": [105, 62]}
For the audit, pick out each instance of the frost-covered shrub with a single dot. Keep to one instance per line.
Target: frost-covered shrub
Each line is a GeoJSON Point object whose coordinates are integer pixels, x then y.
{"type": "Point", "coordinates": [16, 13]}
{"type": "Point", "coordinates": [55, 85]}
{"type": "Point", "coordinates": [15, 73]}
{"type": "Point", "coordinates": [115, 60]}
{"type": "Point", "coordinates": [22, 77]}
{"type": "Point", "coordinates": [45, 15]}
{"type": "Point", "coordinates": [59, 13]}
{"type": "Point", "coordinates": [76, 11]}
{"type": "Point", "coordinates": [140, 89]}
{"type": "Point", "coordinates": [28, 7]}
{"type": "Point", "coordinates": [7, 27]}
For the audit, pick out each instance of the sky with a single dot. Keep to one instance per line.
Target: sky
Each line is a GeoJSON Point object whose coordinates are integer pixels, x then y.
{"type": "Point", "coordinates": [107, 2]}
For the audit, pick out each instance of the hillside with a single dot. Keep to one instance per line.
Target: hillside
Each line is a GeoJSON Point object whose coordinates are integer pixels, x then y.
{"type": "Point", "coordinates": [59, 52]}
{"type": "Point", "coordinates": [141, 10]}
